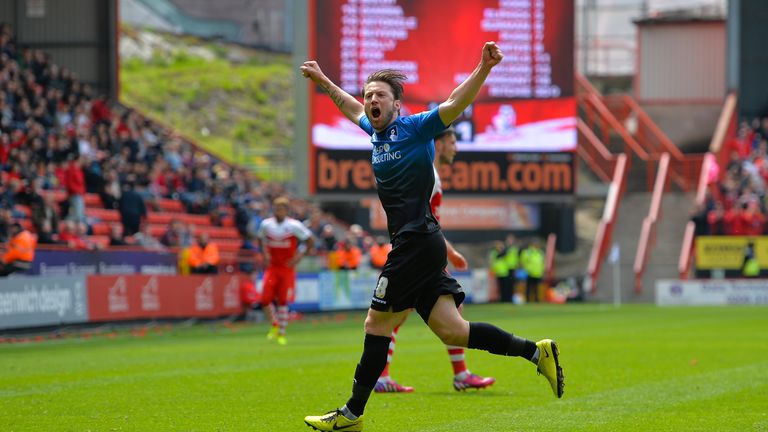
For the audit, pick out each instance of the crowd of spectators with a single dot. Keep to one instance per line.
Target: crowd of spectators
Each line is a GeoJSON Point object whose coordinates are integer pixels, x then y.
{"type": "Point", "coordinates": [57, 134]}
{"type": "Point", "coordinates": [736, 202]}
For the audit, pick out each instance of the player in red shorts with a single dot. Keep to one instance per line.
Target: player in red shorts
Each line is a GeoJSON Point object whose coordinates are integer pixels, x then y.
{"type": "Point", "coordinates": [445, 151]}
{"type": "Point", "coordinates": [280, 236]}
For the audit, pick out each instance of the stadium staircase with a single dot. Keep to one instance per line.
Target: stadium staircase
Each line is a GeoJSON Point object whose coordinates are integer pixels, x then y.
{"type": "Point", "coordinates": [650, 195]}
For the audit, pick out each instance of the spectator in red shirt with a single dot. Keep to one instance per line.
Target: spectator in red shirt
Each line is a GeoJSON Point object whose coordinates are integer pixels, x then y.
{"type": "Point", "coordinates": [100, 112]}
{"type": "Point", "coordinates": [733, 221]}
{"type": "Point", "coordinates": [75, 185]}
{"type": "Point", "coordinates": [71, 237]}
{"type": "Point", "coordinates": [742, 142]}
{"type": "Point", "coordinates": [715, 220]}
{"type": "Point", "coordinates": [5, 148]}
{"type": "Point", "coordinates": [754, 221]}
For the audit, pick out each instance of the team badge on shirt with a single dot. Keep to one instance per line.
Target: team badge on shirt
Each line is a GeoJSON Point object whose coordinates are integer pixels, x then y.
{"type": "Point", "coordinates": [393, 133]}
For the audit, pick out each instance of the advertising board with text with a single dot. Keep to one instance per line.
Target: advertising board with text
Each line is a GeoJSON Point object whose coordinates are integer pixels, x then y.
{"type": "Point", "coordinates": [526, 104]}
{"type": "Point", "coordinates": [670, 292]}
{"type": "Point", "coordinates": [113, 298]}
{"type": "Point", "coordinates": [728, 252]}
{"type": "Point", "coordinates": [42, 301]}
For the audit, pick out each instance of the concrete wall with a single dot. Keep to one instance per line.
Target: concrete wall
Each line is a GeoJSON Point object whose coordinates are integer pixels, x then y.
{"type": "Point", "coordinates": [681, 61]}
{"type": "Point", "coordinates": [689, 126]}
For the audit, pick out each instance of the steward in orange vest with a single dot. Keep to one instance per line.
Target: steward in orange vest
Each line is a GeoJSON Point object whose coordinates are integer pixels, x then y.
{"type": "Point", "coordinates": [204, 256]}
{"type": "Point", "coordinates": [20, 251]}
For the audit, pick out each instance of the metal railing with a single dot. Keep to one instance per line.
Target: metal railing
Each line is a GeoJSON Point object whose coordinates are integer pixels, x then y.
{"type": "Point", "coordinates": [608, 220]}
{"type": "Point", "coordinates": [726, 127]}
{"type": "Point", "coordinates": [684, 168]}
{"type": "Point", "coordinates": [592, 151]}
{"type": "Point", "coordinates": [623, 116]}
{"type": "Point", "coordinates": [648, 232]}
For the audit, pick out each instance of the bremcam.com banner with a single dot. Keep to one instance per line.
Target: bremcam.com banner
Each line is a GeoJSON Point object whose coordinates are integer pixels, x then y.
{"type": "Point", "coordinates": [488, 173]}
{"type": "Point", "coordinates": [728, 252]}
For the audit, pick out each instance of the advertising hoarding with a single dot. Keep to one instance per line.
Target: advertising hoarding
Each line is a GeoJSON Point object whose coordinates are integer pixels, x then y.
{"type": "Point", "coordinates": [42, 301]}
{"type": "Point", "coordinates": [68, 262]}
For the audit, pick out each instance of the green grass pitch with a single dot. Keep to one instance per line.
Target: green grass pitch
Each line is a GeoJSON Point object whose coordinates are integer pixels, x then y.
{"type": "Point", "coordinates": [633, 368]}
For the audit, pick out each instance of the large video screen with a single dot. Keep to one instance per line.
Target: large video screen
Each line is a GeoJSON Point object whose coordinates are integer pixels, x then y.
{"type": "Point", "coordinates": [527, 103]}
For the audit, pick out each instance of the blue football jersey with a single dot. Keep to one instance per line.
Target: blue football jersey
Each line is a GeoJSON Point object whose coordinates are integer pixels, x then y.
{"type": "Point", "coordinates": [402, 165]}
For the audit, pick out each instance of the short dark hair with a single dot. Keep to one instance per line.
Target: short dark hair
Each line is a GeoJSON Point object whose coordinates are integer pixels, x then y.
{"type": "Point", "coordinates": [394, 78]}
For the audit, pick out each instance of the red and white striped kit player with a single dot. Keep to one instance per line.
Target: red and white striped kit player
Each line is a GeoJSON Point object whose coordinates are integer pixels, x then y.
{"type": "Point", "coordinates": [280, 236]}
{"type": "Point", "coordinates": [445, 151]}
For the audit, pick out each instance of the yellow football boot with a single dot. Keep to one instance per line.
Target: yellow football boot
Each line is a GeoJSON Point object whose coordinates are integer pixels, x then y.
{"type": "Point", "coordinates": [334, 421]}
{"type": "Point", "coordinates": [549, 365]}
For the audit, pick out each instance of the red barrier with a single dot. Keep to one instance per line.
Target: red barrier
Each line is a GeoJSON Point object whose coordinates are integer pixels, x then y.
{"type": "Point", "coordinates": [114, 298]}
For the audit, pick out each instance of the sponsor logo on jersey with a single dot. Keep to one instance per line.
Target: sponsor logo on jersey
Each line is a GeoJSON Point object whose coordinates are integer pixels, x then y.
{"type": "Point", "coordinates": [382, 153]}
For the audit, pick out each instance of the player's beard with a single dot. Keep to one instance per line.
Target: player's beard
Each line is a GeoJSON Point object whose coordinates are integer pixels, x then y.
{"type": "Point", "coordinates": [385, 118]}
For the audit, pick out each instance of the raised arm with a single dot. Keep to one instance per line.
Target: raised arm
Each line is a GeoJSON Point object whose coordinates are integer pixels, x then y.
{"type": "Point", "coordinates": [348, 105]}
{"type": "Point", "coordinates": [465, 93]}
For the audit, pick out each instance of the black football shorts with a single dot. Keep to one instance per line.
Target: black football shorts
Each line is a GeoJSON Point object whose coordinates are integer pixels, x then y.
{"type": "Point", "coordinates": [414, 275]}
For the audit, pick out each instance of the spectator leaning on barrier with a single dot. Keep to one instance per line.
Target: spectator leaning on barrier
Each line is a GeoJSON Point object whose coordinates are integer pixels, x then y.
{"type": "Point", "coordinates": [148, 242]}
{"type": "Point", "coordinates": [20, 251]}
{"type": "Point", "coordinates": [172, 237]}
{"type": "Point", "coordinates": [116, 237]}
{"type": "Point", "coordinates": [204, 256]}
{"type": "Point", "coordinates": [72, 234]}
{"type": "Point", "coordinates": [45, 234]}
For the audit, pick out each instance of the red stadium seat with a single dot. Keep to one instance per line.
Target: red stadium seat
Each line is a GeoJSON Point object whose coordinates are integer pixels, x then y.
{"type": "Point", "coordinates": [228, 247]}
{"type": "Point", "coordinates": [104, 215]}
{"type": "Point", "coordinates": [93, 200]}
{"type": "Point", "coordinates": [102, 228]}
{"type": "Point", "coordinates": [171, 206]}
{"type": "Point", "coordinates": [166, 218]}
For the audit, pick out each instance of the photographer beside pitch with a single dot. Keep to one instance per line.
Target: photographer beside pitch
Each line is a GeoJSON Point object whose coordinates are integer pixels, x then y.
{"type": "Point", "coordinates": [414, 275]}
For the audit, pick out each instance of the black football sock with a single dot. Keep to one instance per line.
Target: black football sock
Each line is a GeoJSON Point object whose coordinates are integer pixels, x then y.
{"type": "Point", "coordinates": [496, 341]}
{"type": "Point", "coordinates": [369, 369]}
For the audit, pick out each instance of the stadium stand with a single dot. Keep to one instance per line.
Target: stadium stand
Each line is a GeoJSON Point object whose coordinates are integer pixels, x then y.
{"type": "Point", "coordinates": [55, 130]}
{"type": "Point", "coordinates": [735, 204]}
